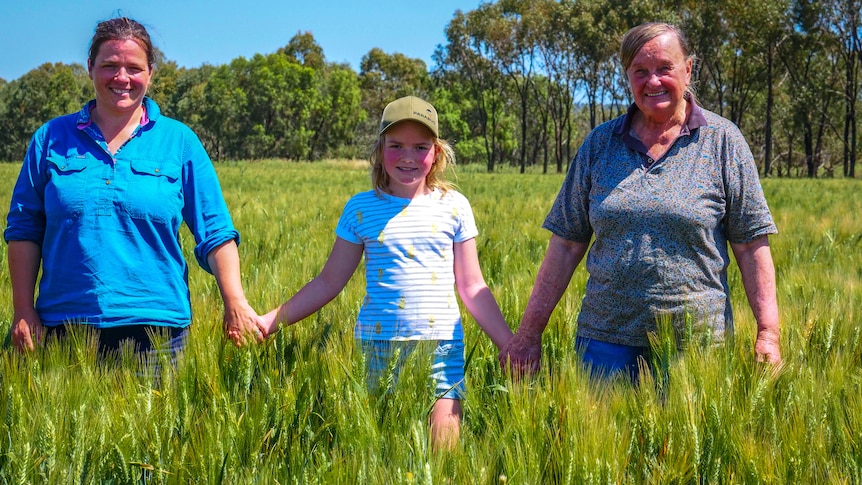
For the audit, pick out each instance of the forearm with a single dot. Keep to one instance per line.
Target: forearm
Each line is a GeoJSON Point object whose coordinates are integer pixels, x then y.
{"type": "Point", "coordinates": [339, 267]}
{"type": "Point", "coordinates": [758, 278]}
{"type": "Point", "coordinates": [482, 305]}
{"type": "Point", "coordinates": [24, 258]}
{"type": "Point", "coordinates": [224, 261]}
{"type": "Point", "coordinates": [551, 282]}
{"type": "Point", "coordinates": [312, 297]}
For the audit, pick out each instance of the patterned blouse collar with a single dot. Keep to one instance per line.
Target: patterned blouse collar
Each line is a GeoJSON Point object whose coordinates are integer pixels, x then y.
{"type": "Point", "coordinates": [695, 120]}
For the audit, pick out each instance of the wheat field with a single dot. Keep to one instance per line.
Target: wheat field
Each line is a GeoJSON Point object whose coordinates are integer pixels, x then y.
{"type": "Point", "coordinates": [295, 409]}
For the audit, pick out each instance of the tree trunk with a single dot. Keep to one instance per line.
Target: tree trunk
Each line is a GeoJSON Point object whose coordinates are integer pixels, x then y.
{"type": "Point", "coordinates": [767, 149]}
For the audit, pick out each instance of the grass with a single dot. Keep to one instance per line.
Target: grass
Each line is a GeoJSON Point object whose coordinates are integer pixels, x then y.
{"type": "Point", "coordinates": [295, 409]}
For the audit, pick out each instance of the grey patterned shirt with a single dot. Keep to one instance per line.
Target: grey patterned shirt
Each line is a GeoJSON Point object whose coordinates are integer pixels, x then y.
{"type": "Point", "coordinates": [661, 228]}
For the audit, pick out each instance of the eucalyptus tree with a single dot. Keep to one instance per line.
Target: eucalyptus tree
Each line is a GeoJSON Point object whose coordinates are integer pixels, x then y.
{"type": "Point", "coordinates": [541, 126]}
{"type": "Point", "coordinates": [738, 62]}
{"type": "Point", "coordinates": [3, 87]}
{"type": "Point", "coordinates": [281, 95]}
{"type": "Point", "coordinates": [812, 73]}
{"type": "Point", "coordinates": [163, 87]}
{"type": "Point", "coordinates": [337, 113]}
{"type": "Point", "coordinates": [726, 73]}
{"type": "Point", "coordinates": [844, 19]}
{"type": "Point", "coordinates": [3, 84]}
{"type": "Point", "coordinates": [261, 107]}
{"type": "Point", "coordinates": [466, 62]}
{"type": "Point", "coordinates": [598, 28]}
{"type": "Point", "coordinates": [189, 101]}
{"type": "Point", "coordinates": [765, 36]}
{"type": "Point", "coordinates": [304, 50]}
{"type": "Point", "coordinates": [456, 111]}
{"type": "Point", "coordinates": [557, 59]}
{"type": "Point", "coordinates": [385, 77]}
{"type": "Point", "coordinates": [510, 36]}
{"type": "Point", "coordinates": [592, 33]}
{"type": "Point", "coordinates": [225, 109]}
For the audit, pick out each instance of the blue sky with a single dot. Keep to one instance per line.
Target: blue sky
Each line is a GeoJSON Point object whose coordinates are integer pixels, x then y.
{"type": "Point", "coordinates": [195, 32]}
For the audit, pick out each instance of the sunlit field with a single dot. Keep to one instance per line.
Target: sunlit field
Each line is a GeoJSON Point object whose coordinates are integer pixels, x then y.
{"type": "Point", "coordinates": [295, 409]}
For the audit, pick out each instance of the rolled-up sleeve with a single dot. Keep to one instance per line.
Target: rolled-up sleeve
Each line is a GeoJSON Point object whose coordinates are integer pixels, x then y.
{"type": "Point", "coordinates": [205, 211]}
{"type": "Point", "coordinates": [26, 218]}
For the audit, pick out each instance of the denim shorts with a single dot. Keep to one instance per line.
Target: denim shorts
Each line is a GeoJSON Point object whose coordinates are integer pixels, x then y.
{"type": "Point", "coordinates": [447, 363]}
{"type": "Point", "coordinates": [605, 359]}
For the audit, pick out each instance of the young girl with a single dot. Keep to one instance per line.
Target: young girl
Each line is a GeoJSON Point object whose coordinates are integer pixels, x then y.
{"type": "Point", "coordinates": [418, 236]}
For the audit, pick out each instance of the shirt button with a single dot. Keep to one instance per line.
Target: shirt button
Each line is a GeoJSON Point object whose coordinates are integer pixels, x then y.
{"type": "Point", "coordinates": [107, 182]}
{"type": "Point", "coordinates": [157, 170]}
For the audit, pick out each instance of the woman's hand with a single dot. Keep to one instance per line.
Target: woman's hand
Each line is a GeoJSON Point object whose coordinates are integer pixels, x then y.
{"type": "Point", "coordinates": [758, 277]}
{"type": "Point", "coordinates": [522, 355]}
{"type": "Point", "coordinates": [767, 348]}
{"type": "Point", "coordinates": [27, 331]}
{"type": "Point", "coordinates": [24, 260]}
{"type": "Point", "coordinates": [242, 324]}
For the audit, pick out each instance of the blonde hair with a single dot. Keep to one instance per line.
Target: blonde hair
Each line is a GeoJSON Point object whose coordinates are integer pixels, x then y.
{"type": "Point", "coordinates": [435, 178]}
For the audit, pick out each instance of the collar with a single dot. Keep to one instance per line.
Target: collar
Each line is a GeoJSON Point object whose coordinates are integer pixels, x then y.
{"type": "Point", "coordinates": [695, 120]}
{"type": "Point", "coordinates": [84, 117]}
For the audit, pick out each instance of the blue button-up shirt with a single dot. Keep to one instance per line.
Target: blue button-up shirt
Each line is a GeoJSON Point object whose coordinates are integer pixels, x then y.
{"type": "Point", "coordinates": [108, 225]}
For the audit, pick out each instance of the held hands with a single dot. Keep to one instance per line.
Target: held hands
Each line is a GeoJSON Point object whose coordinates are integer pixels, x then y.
{"type": "Point", "coordinates": [270, 321]}
{"type": "Point", "coordinates": [242, 324]}
{"type": "Point", "coordinates": [522, 355]}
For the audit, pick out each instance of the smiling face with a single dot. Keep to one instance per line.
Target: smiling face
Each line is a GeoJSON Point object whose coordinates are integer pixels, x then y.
{"type": "Point", "coordinates": [408, 155]}
{"type": "Point", "coordinates": [121, 75]}
{"type": "Point", "coordinates": [659, 75]}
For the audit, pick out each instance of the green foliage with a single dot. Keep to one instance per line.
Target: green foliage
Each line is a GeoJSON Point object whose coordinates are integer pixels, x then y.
{"type": "Point", "coordinates": [303, 49]}
{"type": "Point", "coordinates": [519, 83]}
{"type": "Point", "coordinates": [296, 410]}
{"type": "Point", "coordinates": [337, 115]}
{"type": "Point", "coordinates": [386, 77]}
{"type": "Point", "coordinates": [43, 93]}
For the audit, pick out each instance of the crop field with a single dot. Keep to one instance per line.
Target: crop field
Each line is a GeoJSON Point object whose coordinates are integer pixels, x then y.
{"type": "Point", "coordinates": [295, 408]}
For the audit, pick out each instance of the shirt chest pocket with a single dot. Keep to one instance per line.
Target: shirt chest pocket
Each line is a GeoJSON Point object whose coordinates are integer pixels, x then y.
{"type": "Point", "coordinates": [68, 188]}
{"type": "Point", "coordinates": [154, 191]}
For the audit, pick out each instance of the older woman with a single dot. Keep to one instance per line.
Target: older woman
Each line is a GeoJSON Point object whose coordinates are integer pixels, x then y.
{"type": "Point", "coordinates": [664, 189]}
{"type": "Point", "coordinates": [99, 203]}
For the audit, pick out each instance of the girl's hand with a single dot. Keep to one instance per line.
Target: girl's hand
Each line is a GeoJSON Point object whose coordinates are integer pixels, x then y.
{"type": "Point", "coordinates": [270, 322]}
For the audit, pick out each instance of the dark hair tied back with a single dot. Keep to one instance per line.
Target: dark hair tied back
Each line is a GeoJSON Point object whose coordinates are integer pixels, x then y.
{"type": "Point", "coordinates": [122, 28]}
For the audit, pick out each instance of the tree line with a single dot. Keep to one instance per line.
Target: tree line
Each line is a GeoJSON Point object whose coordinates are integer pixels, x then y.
{"type": "Point", "coordinates": [518, 83]}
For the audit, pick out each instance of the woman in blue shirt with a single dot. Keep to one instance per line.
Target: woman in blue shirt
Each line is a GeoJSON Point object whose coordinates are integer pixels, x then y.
{"type": "Point", "coordinates": [99, 203]}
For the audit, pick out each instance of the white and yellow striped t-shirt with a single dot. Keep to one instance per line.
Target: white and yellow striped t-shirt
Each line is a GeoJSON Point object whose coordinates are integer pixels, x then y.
{"type": "Point", "coordinates": [410, 279]}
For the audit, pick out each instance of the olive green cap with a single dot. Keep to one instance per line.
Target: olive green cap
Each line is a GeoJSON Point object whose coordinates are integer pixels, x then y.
{"type": "Point", "coordinates": [409, 108]}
